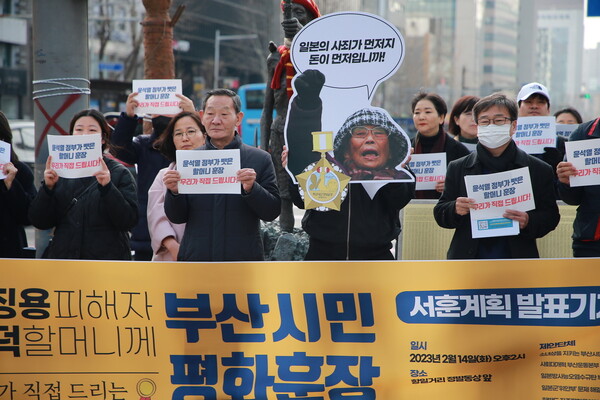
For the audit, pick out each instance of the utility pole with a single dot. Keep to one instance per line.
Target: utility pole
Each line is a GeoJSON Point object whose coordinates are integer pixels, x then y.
{"type": "Point", "coordinates": [218, 39]}
{"type": "Point", "coordinates": [60, 76]}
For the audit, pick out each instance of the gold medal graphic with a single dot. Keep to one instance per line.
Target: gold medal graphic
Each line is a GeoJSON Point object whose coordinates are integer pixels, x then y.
{"type": "Point", "coordinates": [146, 388]}
{"type": "Point", "coordinates": [323, 186]}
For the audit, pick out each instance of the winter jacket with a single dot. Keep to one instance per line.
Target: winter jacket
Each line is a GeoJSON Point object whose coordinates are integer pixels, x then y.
{"type": "Point", "coordinates": [542, 220]}
{"type": "Point", "coordinates": [586, 227]}
{"type": "Point", "coordinates": [14, 205]}
{"type": "Point", "coordinates": [363, 227]}
{"type": "Point", "coordinates": [90, 221]}
{"type": "Point", "coordinates": [159, 225]}
{"type": "Point", "coordinates": [138, 150]}
{"type": "Point", "coordinates": [226, 227]}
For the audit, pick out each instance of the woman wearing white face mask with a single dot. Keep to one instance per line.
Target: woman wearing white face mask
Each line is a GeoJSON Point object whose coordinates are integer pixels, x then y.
{"type": "Point", "coordinates": [496, 118]}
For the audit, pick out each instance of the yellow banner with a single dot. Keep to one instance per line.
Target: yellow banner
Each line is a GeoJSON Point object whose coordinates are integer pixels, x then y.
{"type": "Point", "coordinates": [450, 330]}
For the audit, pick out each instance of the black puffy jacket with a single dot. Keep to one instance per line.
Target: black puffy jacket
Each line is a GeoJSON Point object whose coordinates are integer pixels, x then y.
{"type": "Point", "coordinates": [586, 227]}
{"type": "Point", "coordinates": [14, 204]}
{"type": "Point", "coordinates": [90, 221]}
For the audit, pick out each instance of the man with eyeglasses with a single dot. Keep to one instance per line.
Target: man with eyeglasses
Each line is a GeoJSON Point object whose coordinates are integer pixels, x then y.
{"type": "Point", "coordinates": [496, 118]}
{"type": "Point", "coordinates": [225, 227]}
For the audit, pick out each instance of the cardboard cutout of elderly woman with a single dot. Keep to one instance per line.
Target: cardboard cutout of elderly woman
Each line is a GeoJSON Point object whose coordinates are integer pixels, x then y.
{"type": "Point", "coordinates": [368, 146]}
{"type": "Point", "coordinates": [341, 59]}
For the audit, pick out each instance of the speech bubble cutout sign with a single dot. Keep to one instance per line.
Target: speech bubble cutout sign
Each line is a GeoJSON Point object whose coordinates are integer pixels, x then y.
{"type": "Point", "coordinates": [351, 49]}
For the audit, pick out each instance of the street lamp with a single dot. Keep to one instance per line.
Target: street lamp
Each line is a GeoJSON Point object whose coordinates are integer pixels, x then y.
{"type": "Point", "coordinates": [218, 39]}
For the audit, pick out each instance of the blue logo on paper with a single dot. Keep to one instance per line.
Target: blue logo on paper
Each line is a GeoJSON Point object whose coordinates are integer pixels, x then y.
{"type": "Point", "coordinates": [493, 223]}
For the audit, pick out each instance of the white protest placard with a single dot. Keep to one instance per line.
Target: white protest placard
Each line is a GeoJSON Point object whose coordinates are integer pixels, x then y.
{"type": "Point", "coordinates": [429, 169]}
{"type": "Point", "coordinates": [4, 157]}
{"type": "Point", "coordinates": [585, 157]}
{"type": "Point", "coordinates": [209, 171]}
{"type": "Point", "coordinates": [535, 133]}
{"type": "Point", "coordinates": [75, 156]}
{"type": "Point", "coordinates": [157, 96]}
{"type": "Point", "coordinates": [362, 51]}
{"type": "Point", "coordinates": [495, 193]}
{"type": "Point", "coordinates": [565, 130]}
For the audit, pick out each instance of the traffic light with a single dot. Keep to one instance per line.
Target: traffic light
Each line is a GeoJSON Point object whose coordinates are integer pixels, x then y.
{"type": "Point", "coordinates": [585, 96]}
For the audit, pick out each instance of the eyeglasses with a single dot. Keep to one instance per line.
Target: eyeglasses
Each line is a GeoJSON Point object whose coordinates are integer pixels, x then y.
{"type": "Point", "coordinates": [499, 121]}
{"type": "Point", "coordinates": [189, 133]}
{"type": "Point", "coordinates": [362, 132]}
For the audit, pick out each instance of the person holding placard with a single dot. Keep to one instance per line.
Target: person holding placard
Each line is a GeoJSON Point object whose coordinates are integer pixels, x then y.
{"type": "Point", "coordinates": [534, 101]}
{"type": "Point", "coordinates": [586, 227]}
{"type": "Point", "coordinates": [496, 118]}
{"type": "Point", "coordinates": [461, 123]}
{"type": "Point", "coordinates": [429, 112]}
{"type": "Point", "coordinates": [16, 192]}
{"type": "Point", "coordinates": [92, 215]}
{"type": "Point", "coordinates": [141, 150]}
{"type": "Point", "coordinates": [225, 227]}
{"type": "Point", "coordinates": [367, 147]}
{"type": "Point", "coordinates": [184, 132]}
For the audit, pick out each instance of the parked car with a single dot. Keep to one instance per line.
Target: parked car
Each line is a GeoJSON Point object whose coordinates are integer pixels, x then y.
{"type": "Point", "coordinates": [24, 140]}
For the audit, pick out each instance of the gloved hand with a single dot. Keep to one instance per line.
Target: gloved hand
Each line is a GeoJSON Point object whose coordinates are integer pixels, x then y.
{"type": "Point", "coordinates": [291, 27]}
{"type": "Point", "coordinates": [308, 86]}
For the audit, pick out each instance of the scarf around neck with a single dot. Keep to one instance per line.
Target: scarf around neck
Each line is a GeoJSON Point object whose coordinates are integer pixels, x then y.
{"type": "Point", "coordinates": [504, 162]}
{"type": "Point", "coordinates": [433, 144]}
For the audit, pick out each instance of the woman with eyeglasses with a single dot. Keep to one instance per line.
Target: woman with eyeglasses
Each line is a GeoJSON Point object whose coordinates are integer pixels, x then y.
{"type": "Point", "coordinates": [496, 118]}
{"type": "Point", "coordinates": [461, 123]}
{"type": "Point", "coordinates": [184, 132]}
{"type": "Point", "coordinates": [429, 112]}
{"type": "Point", "coordinates": [369, 146]}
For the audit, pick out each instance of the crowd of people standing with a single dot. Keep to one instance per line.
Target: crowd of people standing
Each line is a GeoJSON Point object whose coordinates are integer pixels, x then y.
{"type": "Point", "coordinates": [112, 215]}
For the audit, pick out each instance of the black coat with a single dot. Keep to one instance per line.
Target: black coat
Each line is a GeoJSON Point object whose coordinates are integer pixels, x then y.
{"type": "Point", "coordinates": [226, 227]}
{"type": "Point", "coordinates": [362, 227]}
{"type": "Point", "coordinates": [14, 204]}
{"type": "Point", "coordinates": [139, 150]}
{"type": "Point", "coordinates": [542, 220]}
{"type": "Point", "coordinates": [586, 227]}
{"type": "Point", "coordinates": [90, 221]}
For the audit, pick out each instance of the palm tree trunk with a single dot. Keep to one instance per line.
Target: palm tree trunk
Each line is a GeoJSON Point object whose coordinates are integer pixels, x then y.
{"type": "Point", "coordinates": [159, 62]}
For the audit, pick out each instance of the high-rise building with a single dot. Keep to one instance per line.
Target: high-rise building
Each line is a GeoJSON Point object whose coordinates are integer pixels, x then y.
{"type": "Point", "coordinates": [459, 47]}
{"type": "Point", "coordinates": [14, 58]}
{"type": "Point", "coordinates": [499, 51]}
{"type": "Point", "coordinates": [551, 48]}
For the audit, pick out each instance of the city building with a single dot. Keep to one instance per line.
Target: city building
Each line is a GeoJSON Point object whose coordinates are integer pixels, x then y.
{"type": "Point", "coordinates": [453, 47]}
{"type": "Point", "coordinates": [550, 48]}
{"type": "Point", "coordinates": [15, 73]}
